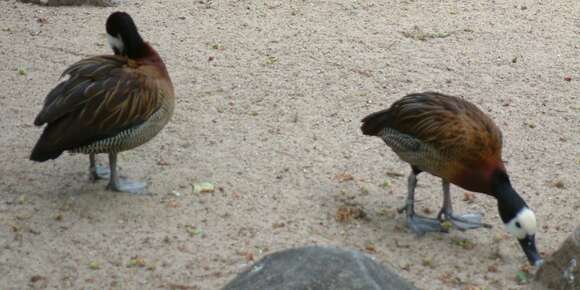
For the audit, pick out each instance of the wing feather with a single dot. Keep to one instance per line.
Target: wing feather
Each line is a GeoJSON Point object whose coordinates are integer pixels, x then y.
{"type": "Point", "coordinates": [453, 126]}
{"type": "Point", "coordinates": [103, 96]}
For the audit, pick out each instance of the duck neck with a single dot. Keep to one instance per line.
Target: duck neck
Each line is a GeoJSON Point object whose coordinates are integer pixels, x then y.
{"type": "Point", "coordinates": [135, 48]}
{"type": "Point", "coordinates": [509, 202]}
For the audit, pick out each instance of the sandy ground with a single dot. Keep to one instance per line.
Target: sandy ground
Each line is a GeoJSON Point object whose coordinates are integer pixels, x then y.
{"type": "Point", "coordinates": [270, 97]}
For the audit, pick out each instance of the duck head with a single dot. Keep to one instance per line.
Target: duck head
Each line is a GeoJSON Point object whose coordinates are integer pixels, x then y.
{"type": "Point", "coordinates": [519, 219]}
{"type": "Point", "coordinates": [123, 36]}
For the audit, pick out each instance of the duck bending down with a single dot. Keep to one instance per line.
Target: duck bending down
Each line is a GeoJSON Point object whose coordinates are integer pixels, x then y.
{"type": "Point", "coordinates": [108, 104]}
{"type": "Point", "coordinates": [451, 138]}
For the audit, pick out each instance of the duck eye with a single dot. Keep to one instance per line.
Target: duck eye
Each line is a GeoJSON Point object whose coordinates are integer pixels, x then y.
{"type": "Point", "coordinates": [518, 225]}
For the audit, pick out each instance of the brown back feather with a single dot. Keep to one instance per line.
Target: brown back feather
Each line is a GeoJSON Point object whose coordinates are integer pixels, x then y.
{"type": "Point", "coordinates": [103, 96]}
{"type": "Point", "coordinates": [453, 126]}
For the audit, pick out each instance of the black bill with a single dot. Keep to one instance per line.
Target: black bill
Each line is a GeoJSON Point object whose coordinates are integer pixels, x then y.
{"type": "Point", "coordinates": [529, 246]}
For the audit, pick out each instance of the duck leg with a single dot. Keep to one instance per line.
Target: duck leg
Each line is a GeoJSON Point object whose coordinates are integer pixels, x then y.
{"type": "Point", "coordinates": [418, 224]}
{"type": "Point", "coordinates": [97, 171]}
{"type": "Point", "coordinates": [118, 184]}
{"type": "Point", "coordinates": [462, 222]}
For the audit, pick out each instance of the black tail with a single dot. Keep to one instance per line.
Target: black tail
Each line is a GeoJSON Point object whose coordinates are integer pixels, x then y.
{"type": "Point", "coordinates": [375, 122]}
{"type": "Point", "coordinates": [40, 153]}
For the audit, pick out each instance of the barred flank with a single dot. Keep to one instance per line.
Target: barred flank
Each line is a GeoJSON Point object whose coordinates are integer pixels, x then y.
{"type": "Point", "coordinates": [129, 138]}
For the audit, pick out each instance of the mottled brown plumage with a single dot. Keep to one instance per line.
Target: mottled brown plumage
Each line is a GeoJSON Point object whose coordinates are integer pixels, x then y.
{"type": "Point", "coordinates": [103, 96]}
{"type": "Point", "coordinates": [454, 139]}
{"type": "Point", "coordinates": [108, 103]}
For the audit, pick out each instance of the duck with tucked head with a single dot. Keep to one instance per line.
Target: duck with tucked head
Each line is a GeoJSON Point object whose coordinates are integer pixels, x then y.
{"type": "Point", "coordinates": [108, 104]}
{"type": "Point", "coordinates": [451, 138]}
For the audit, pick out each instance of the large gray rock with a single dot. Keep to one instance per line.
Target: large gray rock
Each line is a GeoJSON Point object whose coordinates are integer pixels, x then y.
{"type": "Point", "coordinates": [561, 271]}
{"type": "Point", "coordinates": [318, 268]}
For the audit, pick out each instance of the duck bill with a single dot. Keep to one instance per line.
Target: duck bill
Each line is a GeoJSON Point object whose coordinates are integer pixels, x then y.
{"type": "Point", "coordinates": [529, 246]}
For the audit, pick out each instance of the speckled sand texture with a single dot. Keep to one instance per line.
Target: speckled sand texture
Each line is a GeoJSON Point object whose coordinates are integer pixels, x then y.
{"type": "Point", "coordinates": [270, 97]}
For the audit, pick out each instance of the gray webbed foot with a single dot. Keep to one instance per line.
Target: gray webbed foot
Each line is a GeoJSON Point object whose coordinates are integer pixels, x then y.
{"type": "Point", "coordinates": [421, 225]}
{"type": "Point", "coordinates": [99, 172]}
{"type": "Point", "coordinates": [418, 224]}
{"type": "Point", "coordinates": [463, 222]}
{"type": "Point", "coordinates": [119, 184]}
{"type": "Point", "coordinates": [123, 185]}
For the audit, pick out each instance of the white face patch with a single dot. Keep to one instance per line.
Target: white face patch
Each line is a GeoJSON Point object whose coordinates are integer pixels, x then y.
{"type": "Point", "coordinates": [116, 42]}
{"type": "Point", "coordinates": [523, 224]}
